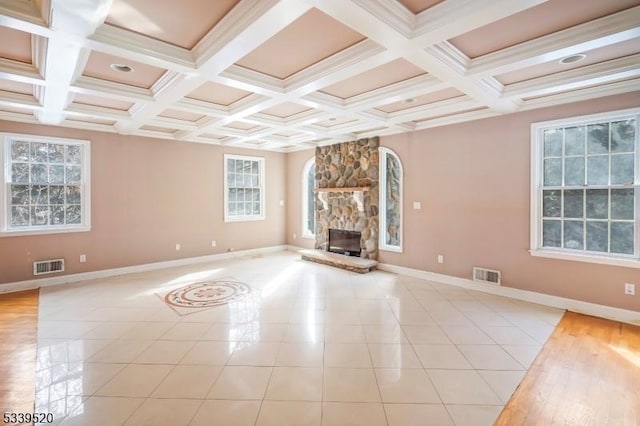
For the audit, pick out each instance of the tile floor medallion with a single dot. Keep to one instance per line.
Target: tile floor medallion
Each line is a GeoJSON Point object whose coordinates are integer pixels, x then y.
{"type": "Point", "coordinates": [310, 344]}
{"type": "Point", "coordinates": [195, 297]}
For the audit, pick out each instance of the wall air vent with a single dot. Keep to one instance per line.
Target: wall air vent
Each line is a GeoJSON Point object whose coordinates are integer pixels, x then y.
{"type": "Point", "coordinates": [48, 266]}
{"type": "Point", "coordinates": [486, 275]}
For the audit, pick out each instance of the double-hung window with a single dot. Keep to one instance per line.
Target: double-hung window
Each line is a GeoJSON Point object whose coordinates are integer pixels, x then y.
{"type": "Point", "coordinates": [244, 188]}
{"type": "Point", "coordinates": [44, 185]}
{"type": "Point", "coordinates": [585, 192]}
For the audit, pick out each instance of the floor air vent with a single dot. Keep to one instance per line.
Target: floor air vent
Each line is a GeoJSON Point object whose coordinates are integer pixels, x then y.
{"type": "Point", "coordinates": [48, 266]}
{"type": "Point", "coordinates": [486, 275]}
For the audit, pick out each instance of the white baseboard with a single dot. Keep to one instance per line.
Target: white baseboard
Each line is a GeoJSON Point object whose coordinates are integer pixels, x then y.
{"type": "Point", "coordinates": [82, 276]}
{"type": "Point", "coordinates": [579, 306]}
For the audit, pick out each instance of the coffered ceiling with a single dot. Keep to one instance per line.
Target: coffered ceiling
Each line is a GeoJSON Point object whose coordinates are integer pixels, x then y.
{"type": "Point", "coordinates": [285, 75]}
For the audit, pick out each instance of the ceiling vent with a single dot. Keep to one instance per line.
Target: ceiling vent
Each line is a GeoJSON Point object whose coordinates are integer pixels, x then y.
{"type": "Point", "coordinates": [44, 267]}
{"type": "Point", "coordinates": [486, 275]}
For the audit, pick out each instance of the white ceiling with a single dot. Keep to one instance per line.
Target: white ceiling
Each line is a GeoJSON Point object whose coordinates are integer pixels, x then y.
{"type": "Point", "coordinates": [286, 75]}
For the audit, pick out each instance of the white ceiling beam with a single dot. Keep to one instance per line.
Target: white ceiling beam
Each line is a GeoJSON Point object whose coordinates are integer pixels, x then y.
{"type": "Point", "coordinates": [60, 60]}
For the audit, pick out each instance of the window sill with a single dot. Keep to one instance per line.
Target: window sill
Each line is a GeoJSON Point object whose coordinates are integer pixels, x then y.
{"type": "Point", "coordinates": [22, 233]}
{"type": "Point", "coordinates": [309, 237]}
{"type": "Point", "coordinates": [243, 219]}
{"type": "Point", "coordinates": [589, 258]}
{"type": "Point", "coordinates": [391, 249]}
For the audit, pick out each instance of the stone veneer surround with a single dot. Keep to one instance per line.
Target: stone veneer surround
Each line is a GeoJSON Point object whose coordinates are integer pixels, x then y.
{"type": "Point", "coordinates": [348, 165]}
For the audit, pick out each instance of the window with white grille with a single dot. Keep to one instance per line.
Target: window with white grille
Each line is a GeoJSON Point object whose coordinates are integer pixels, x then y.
{"type": "Point", "coordinates": [45, 185]}
{"type": "Point", "coordinates": [244, 188]}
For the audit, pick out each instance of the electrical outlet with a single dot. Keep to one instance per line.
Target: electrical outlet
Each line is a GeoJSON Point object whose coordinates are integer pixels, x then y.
{"type": "Point", "coordinates": [417, 205]}
{"type": "Point", "coordinates": [630, 289]}
{"type": "Point", "coordinates": [213, 243]}
{"type": "Point", "coordinates": [178, 247]}
{"type": "Point", "coordinates": [294, 236]}
{"type": "Point", "coordinates": [440, 258]}
{"type": "Point", "coordinates": [230, 249]}
{"type": "Point", "coordinates": [281, 203]}
{"type": "Point", "coordinates": [83, 258]}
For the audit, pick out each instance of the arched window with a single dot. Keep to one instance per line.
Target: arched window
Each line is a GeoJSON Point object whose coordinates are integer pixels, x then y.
{"type": "Point", "coordinates": [391, 177]}
{"type": "Point", "coordinates": [309, 199]}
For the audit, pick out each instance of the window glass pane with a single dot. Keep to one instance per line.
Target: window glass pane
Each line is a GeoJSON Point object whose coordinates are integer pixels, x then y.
{"type": "Point", "coordinates": [598, 138]}
{"type": "Point", "coordinates": [256, 195]}
{"type": "Point", "coordinates": [231, 166]}
{"type": "Point", "coordinates": [574, 171]}
{"type": "Point", "coordinates": [622, 204]}
{"type": "Point", "coordinates": [573, 234]}
{"type": "Point", "coordinates": [256, 208]}
{"type": "Point", "coordinates": [73, 215]}
{"type": "Point", "coordinates": [311, 200]}
{"type": "Point", "coordinates": [56, 153]}
{"type": "Point", "coordinates": [622, 169]}
{"type": "Point", "coordinates": [597, 236]}
{"type": "Point", "coordinates": [551, 233]}
{"type": "Point", "coordinates": [73, 194]}
{"type": "Point", "coordinates": [20, 195]}
{"type": "Point", "coordinates": [73, 174]}
{"type": "Point", "coordinates": [574, 141]}
{"type": "Point", "coordinates": [39, 152]}
{"type": "Point", "coordinates": [19, 151]}
{"type": "Point", "coordinates": [74, 154]}
{"type": "Point", "coordinates": [238, 165]}
{"type": "Point", "coordinates": [39, 173]}
{"type": "Point", "coordinates": [597, 203]}
{"type": "Point", "coordinates": [231, 180]}
{"type": "Point", "coordinates": [553, 143]}
{"type": "Point", "coordinates": [56, 194]}
{"type": "Point", "coordinates": [574, 203]}
{"type": "Point", "coordinates": [20, 172]}
{"type": "Point", "coordinates": [598, 170]}
{"type": "Point", "coordinates": [57, 215]}
{"type": "Point", "coordinates": [39, 194]}
{"type": "Point", "coordinates": [56, 173]}
{"type": "Point", "coordinates": [551, 203]}
{"type": "Point", "coordinates": [19, 216]}
{"type": "Point", "coordinates": [254, 168]}
{"type": "Point", "coordinates": [553, 172]}
{"type": "Point", "coordinates": [247, 181]}
{"type": "Point", "coordinates": [247, 166]}
{"type": "Point", "coordinates": [232, 208]}
{"type": "Point", "coordinates": [623, 135]}
{"type": "Point", "coordinates": [39, 215]}
{"type": "Point", "coordinates": [622, 237]}
{"type": "Point", "coordinates": [255, 181]}
{"type": "Point", "coordinates": [392, 201]}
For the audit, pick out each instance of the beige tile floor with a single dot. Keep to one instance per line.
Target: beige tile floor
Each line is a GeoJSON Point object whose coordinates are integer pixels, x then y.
{"type": "Point", "coordinates": [311, 345]}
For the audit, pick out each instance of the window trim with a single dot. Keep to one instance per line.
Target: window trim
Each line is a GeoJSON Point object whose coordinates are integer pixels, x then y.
{"type": "Point", "coordinates": [5, 179]}
{"type": "Point", "coordinates": [382, 245]}
{"type": "Point", "coordinates": [536, 172]}
{"type": "Point", "coordinates": [305, 198]}
{"type": "Point", "coordinates": [263, 186]}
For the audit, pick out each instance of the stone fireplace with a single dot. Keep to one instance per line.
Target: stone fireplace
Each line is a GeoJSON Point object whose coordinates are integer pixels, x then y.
{"type": "Point", "coordinates": [347, 191]}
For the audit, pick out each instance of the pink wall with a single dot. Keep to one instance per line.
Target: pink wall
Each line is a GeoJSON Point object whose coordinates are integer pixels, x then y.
{"type": "Point", "coordinates": [473, 182]}
{"type": "Point", "coordinates": [147, 195]}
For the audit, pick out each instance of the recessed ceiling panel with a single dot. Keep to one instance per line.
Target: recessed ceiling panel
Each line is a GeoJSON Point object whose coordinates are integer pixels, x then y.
{"type": "Point", "coordinates": [142, 75]}
{"type": "Point", "coordinates": [181, 115]}
{"type": "Point", "coordinates": [16, 87]}
{"type": "Point", "coordinates": [546, 18]}
{"type": "Point", "coordinates": [218, 94]}
{"type": "Point", "coordinates": [16, 45]}
{"type": "Point", "coordinates": [24, 111]}
{"type": "Point", "coordinates": [286, 133]}
{"type": "Point", "coordinates": [309, 39]}
{"type": "Point", "coordinates": [425, 120]}
{"type": "Point", "coordinates": [336, 122]}
{"type": "Point", "coordinates": [595, 56]}
{"type": "Point", "coordinates": [384, 75]}
{"type": "Point", "coordinates": [285, 109]}
{"type": "Point", "coordinates": [417, 6]}
{"type": "Point", "coordinates": [80, 98]}
{"type": "Point", "coordinates": [158, 129]}
{"type": "Point", "coordinates": [183, 25]}
{"type": "Point", "coordinates": [240, 125]}
{"type": "Point", "coordinates": [440, 95]}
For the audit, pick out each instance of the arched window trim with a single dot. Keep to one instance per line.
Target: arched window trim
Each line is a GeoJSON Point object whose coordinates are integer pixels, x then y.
{"type": "Point", "coordinates": [382, 245]}
{"type": "Point", "coordinates": [305, 199]}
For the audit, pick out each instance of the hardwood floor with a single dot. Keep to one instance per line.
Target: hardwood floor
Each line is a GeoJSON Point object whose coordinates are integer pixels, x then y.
{"type": "Point", "coordinates": [588, 373]}
{"type": "Point", "coordinates": [18, 348]}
